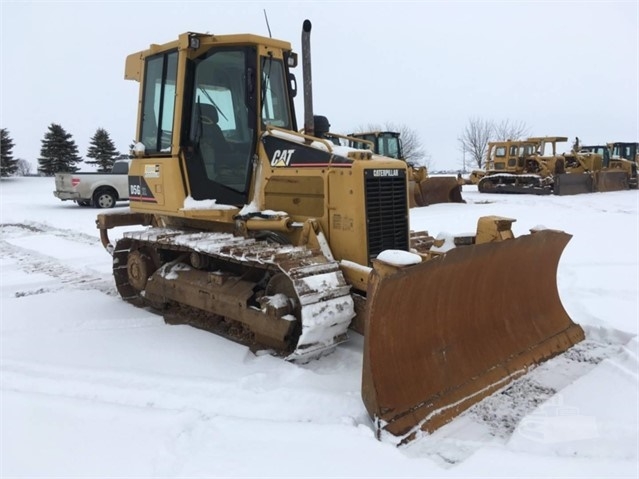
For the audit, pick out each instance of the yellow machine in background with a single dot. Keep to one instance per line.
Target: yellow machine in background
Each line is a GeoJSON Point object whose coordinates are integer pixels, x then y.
{"type": "Point", "coordinates": [424, 189]}
{"type": "Point", "coordinates": [534, 166]}
{"type": "Point", "coordinates": [624, 156]}
{"type": "Point", "coordinates": [279, 240]}
{"type": "Point", "coordinates": [620, 157]}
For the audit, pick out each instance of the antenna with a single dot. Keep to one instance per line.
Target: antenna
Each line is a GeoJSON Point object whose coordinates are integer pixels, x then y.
{"type": "Point", "coordinates": [267, 25]}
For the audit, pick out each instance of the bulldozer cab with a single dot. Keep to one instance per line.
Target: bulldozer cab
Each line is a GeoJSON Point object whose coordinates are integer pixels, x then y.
{"type": "Point", "coordinates": [386, 143]}
{"type": "Point", "coordinates": [603, 150]}
{"type": "Point", "coordinates": [512, 156]}
{"type": "Point", "coordinates": [208, 98]}
{"type": "Point", "coordinates": [627, 151]}
{"type": "Point", "coordinates": [547, 146]}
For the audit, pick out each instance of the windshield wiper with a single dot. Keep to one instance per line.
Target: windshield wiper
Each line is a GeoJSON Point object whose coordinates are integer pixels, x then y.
{"type": "Point", "coordinates": [206, 93]}
{"type": "Point", "coordinates": [266, 77]}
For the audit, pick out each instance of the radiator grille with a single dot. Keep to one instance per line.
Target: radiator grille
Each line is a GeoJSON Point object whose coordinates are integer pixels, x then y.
{"type": "Point", "coordinates": [386, 210]}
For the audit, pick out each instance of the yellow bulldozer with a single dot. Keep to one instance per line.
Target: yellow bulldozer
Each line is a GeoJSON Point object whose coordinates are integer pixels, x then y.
{"type": "Point", "coordinates": [424, 189]}
{"type": "Point", "coordinates": [534, 166]}
{"type": "Point", "coordinates": [274, 238]}
{"type": "Point", "coordinates": [623, 156]}
{"type": "Point", "coordinates": [618, 156]}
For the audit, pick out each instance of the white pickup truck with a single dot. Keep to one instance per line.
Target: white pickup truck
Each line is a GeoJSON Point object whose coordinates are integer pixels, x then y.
{"type": "Point", "coordinates": [101, 190]}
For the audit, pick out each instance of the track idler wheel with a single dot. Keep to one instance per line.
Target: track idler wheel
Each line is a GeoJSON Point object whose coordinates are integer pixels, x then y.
{"type": "Point", "coordinates": [486, 185]}
{"type": "Point", "coordinates": [132, 269]}
{"type": "Point", "coordinates": [139, 268]}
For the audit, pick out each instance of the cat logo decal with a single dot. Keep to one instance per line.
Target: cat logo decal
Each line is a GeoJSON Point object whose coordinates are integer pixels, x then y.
{"type": "Point", "coordinates": [282, 157]}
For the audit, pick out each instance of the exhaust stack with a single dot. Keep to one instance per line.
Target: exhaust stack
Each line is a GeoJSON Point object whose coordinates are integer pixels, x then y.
{"type": "Point", "coordinates": [309, 123]}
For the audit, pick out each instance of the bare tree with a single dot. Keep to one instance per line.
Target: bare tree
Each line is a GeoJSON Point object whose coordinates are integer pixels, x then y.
{"type": "Point", "coordinates": [414, 151]}
{"type": "Point", "coordinates": [24, 167]}
{"type": "Point", "coordinates": [474, 140]}
{"type": "Point", "coordinates": [478, 132]}
{"type": "Point", "coordinates": [412, 147]}
{"type": "Point", "coordinates": [510, 130]}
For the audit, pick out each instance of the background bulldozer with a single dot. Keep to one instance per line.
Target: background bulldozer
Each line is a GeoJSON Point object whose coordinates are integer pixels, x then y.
{"type": "Point", "coordinates": [619, 157]}
{"type": "Point", "coordinates": [424, 189]}
{"type": "Point", "coordinates": [624, 156]}
{"type": "Point", "coordinates": [534, 166]}
{"type": "Point", "coordinates": [283, 241]}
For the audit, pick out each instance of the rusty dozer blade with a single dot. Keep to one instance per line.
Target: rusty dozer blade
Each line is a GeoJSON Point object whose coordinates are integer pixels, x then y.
{"type": "Point", "coordinates": [611, 180]}
{"type": "Point", "coordinates": [435, 189]}
{"type": "Point", "coordinates": [445, 333]}
{"type": "Point", "coordinates": [573, 184]}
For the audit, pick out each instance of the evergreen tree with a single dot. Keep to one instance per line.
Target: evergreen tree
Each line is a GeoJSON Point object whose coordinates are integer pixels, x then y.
{"type": "Point", "coordinates": [8, 165]}
{"type": "Point", "coordinates": [58, 153]}
{"type": "Point", "coordinates": [102, 151]}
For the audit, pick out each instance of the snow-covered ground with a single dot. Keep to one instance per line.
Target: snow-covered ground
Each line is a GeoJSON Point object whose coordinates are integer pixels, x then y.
{"type": "Point", "coordinates": [94, 387]}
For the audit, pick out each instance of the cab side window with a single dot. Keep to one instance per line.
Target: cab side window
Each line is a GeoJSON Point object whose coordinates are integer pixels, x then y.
{"type": "Point", "coordinates": [158, 103]}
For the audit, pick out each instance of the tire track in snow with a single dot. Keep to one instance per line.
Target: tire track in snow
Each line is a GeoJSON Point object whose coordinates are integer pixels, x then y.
{"type": "Point", "coordinates": [209, 397]}
{"type": "Point", "coordinates": [29, 228]}
{"type": "Point", "coordinates": [31, 261]}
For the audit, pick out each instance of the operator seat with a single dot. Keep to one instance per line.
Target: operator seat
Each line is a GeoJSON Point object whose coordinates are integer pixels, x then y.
{"type": "Point", "coordinates": [215, 150]}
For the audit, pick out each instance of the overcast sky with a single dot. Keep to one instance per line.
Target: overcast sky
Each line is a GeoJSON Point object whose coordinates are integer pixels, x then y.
{"type": "Point", "coordinates": [563, 68]}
